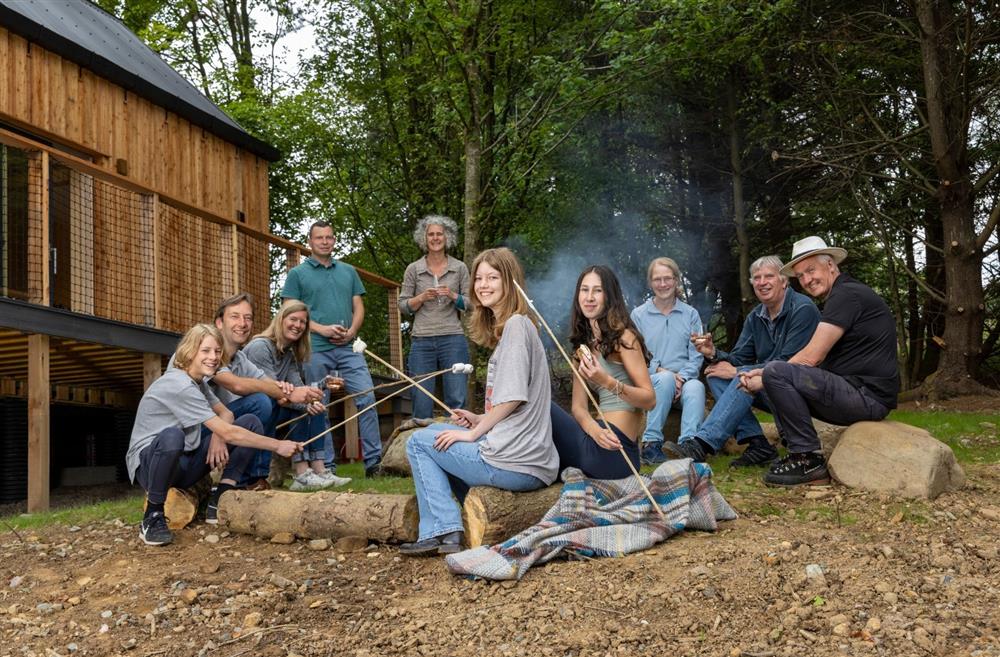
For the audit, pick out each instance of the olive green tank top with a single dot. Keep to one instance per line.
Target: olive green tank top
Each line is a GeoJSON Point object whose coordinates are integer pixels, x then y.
{"type": "Point", "coordinates": [607, 400]}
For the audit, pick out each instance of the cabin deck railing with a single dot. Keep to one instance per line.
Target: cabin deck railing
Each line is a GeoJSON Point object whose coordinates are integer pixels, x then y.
{"type": "Point", "coordinates": [78, 237]}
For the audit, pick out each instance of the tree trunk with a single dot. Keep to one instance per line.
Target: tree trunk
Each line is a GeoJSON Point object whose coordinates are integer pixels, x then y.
{"type": "Point", "coordinates": [492, 515]}
{"type": "Point", "coordinates": [383, 518]}
{"type": "Point", "coordinates": [942, 70]}
{"type": "Point", "coordinates": [748, 298]}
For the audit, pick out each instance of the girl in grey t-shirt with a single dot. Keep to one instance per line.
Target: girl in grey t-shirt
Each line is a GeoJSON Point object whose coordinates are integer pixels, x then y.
{"type": "Point", "coordinates": [510, 445]}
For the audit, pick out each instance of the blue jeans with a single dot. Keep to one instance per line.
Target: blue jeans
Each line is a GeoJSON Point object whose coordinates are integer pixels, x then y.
{"type": "Point", "coordinates": [262, 406]}
{"type": "Point", "coordinates": [731, 415]}
{"type": "Point", "coordinates": [434, 353]}
{"type": "Point", "coordinates": [437, 474]}
{"type": "Point", "coordinates": [799, 393]}
{"type": "Point", "coordinates": [300, 432]}
{"type": "Point", "coordinates": [354, 371]}
{"type": "Point", "coordinates": [691, 401]}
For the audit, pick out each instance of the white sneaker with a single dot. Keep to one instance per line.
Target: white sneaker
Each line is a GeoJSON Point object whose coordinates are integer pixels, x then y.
{"type": "Point", "coordinates": [336, 481]}
{"type": "Point", "coordinates": [309, 480]}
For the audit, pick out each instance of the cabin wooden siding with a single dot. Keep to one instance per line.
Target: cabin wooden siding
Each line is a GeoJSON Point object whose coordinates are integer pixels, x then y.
{"type": "Point", "coordinates": [121, 132]}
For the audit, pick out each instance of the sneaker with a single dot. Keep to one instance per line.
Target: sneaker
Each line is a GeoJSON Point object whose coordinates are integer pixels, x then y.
{"type": "Point", "coordinates": [154, 530]}
{"type": "Point", "coordinates": [652, 453]}
{"type": "Point", "coordinates": [692, 449]}
{"type": "Point", "coordinates": [334, 480]}
{"type": "Point", "coordinates": [260, 484]}
{"type": "Point", "coordinates": [798, 469]}
{"type": "Point", "coordinates": [758, 452]}
{"type": "Point", "coordinates": [212, 511]}
{"type": "Point", "coordinates": [309, 480]}
{"type": "Point", "coordinates": [375, 471]}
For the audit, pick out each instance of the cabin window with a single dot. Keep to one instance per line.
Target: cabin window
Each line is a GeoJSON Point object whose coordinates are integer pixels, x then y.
{"type": "Point", "coordinates": [13, 223]}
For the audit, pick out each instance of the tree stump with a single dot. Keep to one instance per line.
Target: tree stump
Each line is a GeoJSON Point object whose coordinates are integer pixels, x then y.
{"type": "Point", "coordinates": [181, 505]}
{"type": "Point", "coordinates": [323, 514]}
{"type": "Point", "coordinates": [492, 515]}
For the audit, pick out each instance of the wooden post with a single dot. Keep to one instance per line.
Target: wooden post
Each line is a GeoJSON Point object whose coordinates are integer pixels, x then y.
{"type": "Point", "coordinates": [150, 249]}
{"type": "Point", "coordinates": [152, 368]}
{"type": "Point", "coordinates": [395, 335]}
{"type": "Point", "coordinates": [39, 263]}
{"type": "Point", "coordinates": [234, 233]}
{"type": "Point", "coordinates": [39, 393]}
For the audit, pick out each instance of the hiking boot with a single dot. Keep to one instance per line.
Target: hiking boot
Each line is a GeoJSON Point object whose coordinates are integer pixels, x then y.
{"type": "Point", "coordinates": [260, 484]}
{"type": "Point", "coordinates": [652, 454]}
{"type": "Point", "coordinates": [798, 469]}
{"type": "Point", "coordinates": [758, 452]}
{"type": "Point", "coordinates": [375, 471]}
{"type": "Point", "coordinates": [445, 544]}
{"type": "Point", "coordinates": [693, 449]}
{"type": "Point", "coordinates": [309, 480]}
{"type": "Point", "coordinates": [154, 530]}
{"type": "Point", "coordinates": [334, 480]}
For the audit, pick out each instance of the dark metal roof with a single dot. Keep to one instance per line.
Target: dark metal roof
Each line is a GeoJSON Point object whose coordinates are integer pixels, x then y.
{"type": "Point", "coordinates": [85, 34]}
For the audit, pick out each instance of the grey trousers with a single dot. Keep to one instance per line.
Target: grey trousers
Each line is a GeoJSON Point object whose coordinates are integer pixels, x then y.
{"type": "Point", "coordinates": [799, 392]}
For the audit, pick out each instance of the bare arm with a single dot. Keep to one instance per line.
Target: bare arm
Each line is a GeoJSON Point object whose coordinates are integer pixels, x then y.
{"type": "Point", "coordinates": [640, 394]}
{"type": "Point", "coordinates": [486, 422]}
{"type": "Point", "coordinates": [234, 434]}
{"type": "Point", "coordinates": [819, 345]}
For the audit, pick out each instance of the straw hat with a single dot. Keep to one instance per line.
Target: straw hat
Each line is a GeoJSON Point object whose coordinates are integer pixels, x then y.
{"type": "Point", "coordinates": [808, 247]}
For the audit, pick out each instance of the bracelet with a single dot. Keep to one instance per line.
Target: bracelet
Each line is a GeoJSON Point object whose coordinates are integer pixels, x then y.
{"type": "Point", "coordinates": [618, 389]}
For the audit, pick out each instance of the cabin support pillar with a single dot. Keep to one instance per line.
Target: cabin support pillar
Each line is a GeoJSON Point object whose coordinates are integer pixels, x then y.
{"type": "Point", "coordinates": [39, 392]}
{"type": "Point", "coordinates": [152, 368]}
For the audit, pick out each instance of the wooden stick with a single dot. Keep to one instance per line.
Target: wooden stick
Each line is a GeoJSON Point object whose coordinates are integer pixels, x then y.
{"type": "Point", "coordinates": [371, 405]}
{"type": "Point", "coordinates": [419, 387]}
{"type": "Point", "coordinates": [590, 395]}
{"type": "Point", "coordinates": [358, 394]}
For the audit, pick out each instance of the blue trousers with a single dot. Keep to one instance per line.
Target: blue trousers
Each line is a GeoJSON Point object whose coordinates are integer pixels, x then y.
{"type": "Point", "coordinates": [732, 414]}
{"type": "Point", "coordinates": [261, 406]}
{"type": "Point", "coordinates": [436, 475]}
{"type": "Point", "coordinates": [578, 450]}
{"type": "Point", "coordinates": [353, 369]}
{"type": "Point", "coordinates": [691, 401]}
{"type": "Point", "coordinates": [430, 354]}
{"type": "Point", "coordinates": [300, 432]}
{"type": "Point", "coordinates": [164, 463]}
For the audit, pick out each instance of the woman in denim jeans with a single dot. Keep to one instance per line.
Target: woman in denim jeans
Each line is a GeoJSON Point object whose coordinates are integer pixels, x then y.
{"type": "Point", "coordinates": [510, 445]}
{"type": "Point", "coordinates": [435, 291]}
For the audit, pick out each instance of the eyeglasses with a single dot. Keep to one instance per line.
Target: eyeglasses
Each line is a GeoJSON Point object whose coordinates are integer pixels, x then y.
{"type": "Point", "coordinates": [663, 280]}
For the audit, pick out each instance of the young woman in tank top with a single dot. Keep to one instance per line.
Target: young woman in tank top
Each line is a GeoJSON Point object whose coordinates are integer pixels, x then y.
{"type": "Point", "coordinates": [615, 364]}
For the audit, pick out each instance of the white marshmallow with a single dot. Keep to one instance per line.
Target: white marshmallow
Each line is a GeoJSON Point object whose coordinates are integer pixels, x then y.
{"type": "Point", "coordinates": [359, 346]}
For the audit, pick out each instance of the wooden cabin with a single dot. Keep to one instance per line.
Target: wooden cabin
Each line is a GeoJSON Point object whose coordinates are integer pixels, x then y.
{"type": "Point", "coordinates": [129, 206]}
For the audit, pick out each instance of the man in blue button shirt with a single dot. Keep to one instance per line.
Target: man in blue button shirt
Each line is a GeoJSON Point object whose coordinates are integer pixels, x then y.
{"type": "Point", "coordinates": [666, 324]}
{"type": "Point", "coordinates": [775, 330]}
{"type": "Point", "coordinates": [332, 289]}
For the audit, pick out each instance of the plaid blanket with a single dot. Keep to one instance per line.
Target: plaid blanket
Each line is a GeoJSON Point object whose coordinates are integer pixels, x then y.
{"type": "Point", "coordinates": [604, 518]}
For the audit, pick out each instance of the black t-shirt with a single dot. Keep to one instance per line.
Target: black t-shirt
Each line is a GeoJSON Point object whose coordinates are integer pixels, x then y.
{"type": "Point", "coordinates": [866, 354]}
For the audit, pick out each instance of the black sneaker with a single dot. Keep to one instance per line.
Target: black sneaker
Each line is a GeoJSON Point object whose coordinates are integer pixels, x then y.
{"type": "Point", "coordinates": [445, 544]}
{"type": "Point", "coordinates": [758, 452]}
{"type": "Point", "coordinates": [375, 471]}
{"type": "Point", "coordinates": [154, 530]}
{"type": "Point", "coordinates": [652, 454]}
{"type": "Point", "coordinates": [798, 469]}
{"type": "Point", "coordinates": [693, 449]}
{"type": "Point", "coordinates": [212, 512]}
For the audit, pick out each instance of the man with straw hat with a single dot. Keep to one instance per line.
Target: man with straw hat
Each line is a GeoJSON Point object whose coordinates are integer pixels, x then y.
{"type": "Point", "coordinates": [846, 373]}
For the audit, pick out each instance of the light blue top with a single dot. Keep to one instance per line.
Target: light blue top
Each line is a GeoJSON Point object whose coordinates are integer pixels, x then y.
{"type": "Point", "coordinates": [328, 291]}
{"type": "Point", "coordinates": [668, 337]}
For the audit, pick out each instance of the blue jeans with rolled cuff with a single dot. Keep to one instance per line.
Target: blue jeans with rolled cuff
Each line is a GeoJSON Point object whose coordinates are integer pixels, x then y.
{"type": "Point", "coordinates": [438, 475]}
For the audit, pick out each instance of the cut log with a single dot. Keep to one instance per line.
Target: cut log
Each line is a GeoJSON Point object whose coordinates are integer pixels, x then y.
{"type": "Point", "coordinates": [323, 514]}
{"type": "Point", "coordinates": [181, 505]}
{"type": "Point", "coordinates": [492, 515]}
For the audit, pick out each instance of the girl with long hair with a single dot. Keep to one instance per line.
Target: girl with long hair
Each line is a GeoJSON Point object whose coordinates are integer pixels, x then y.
{"type": "Point", "coordinates": [614, 362]}
{"type": "Point", "coordinates": [509, 445]}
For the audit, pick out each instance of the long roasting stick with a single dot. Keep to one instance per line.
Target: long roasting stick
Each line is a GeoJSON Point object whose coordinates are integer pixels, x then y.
{"type": "Point", "coordinates": [369, 406]}
{"type": "Point", "coordinates": [359, 393]}
{"type": "Point", "coordinates": [590, 395]}
{"type": "Point", "coordinates": [360, 346]}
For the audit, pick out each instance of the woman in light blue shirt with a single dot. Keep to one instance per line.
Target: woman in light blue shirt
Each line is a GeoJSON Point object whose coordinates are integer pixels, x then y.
{"type": "Point", "coordinates": [666, 324]}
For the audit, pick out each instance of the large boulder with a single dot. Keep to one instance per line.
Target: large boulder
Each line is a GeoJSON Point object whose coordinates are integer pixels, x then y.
{"type": "Point", "coordinates": [394, 448]}
{"type": "Point", "coordinates": [896, 458]}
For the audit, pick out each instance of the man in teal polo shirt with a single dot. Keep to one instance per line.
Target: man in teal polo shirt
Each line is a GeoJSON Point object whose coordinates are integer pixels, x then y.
{"type": "Point", "coordinates": [332, 289]}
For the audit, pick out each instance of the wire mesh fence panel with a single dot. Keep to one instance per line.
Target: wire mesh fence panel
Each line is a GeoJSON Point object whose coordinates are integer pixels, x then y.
{"type": "Point", "coordinates": [254, 276]}
{"type": "Point", "coordinates": [13, 223]}
{"type": "Point", "coordinates": [194, 259]}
